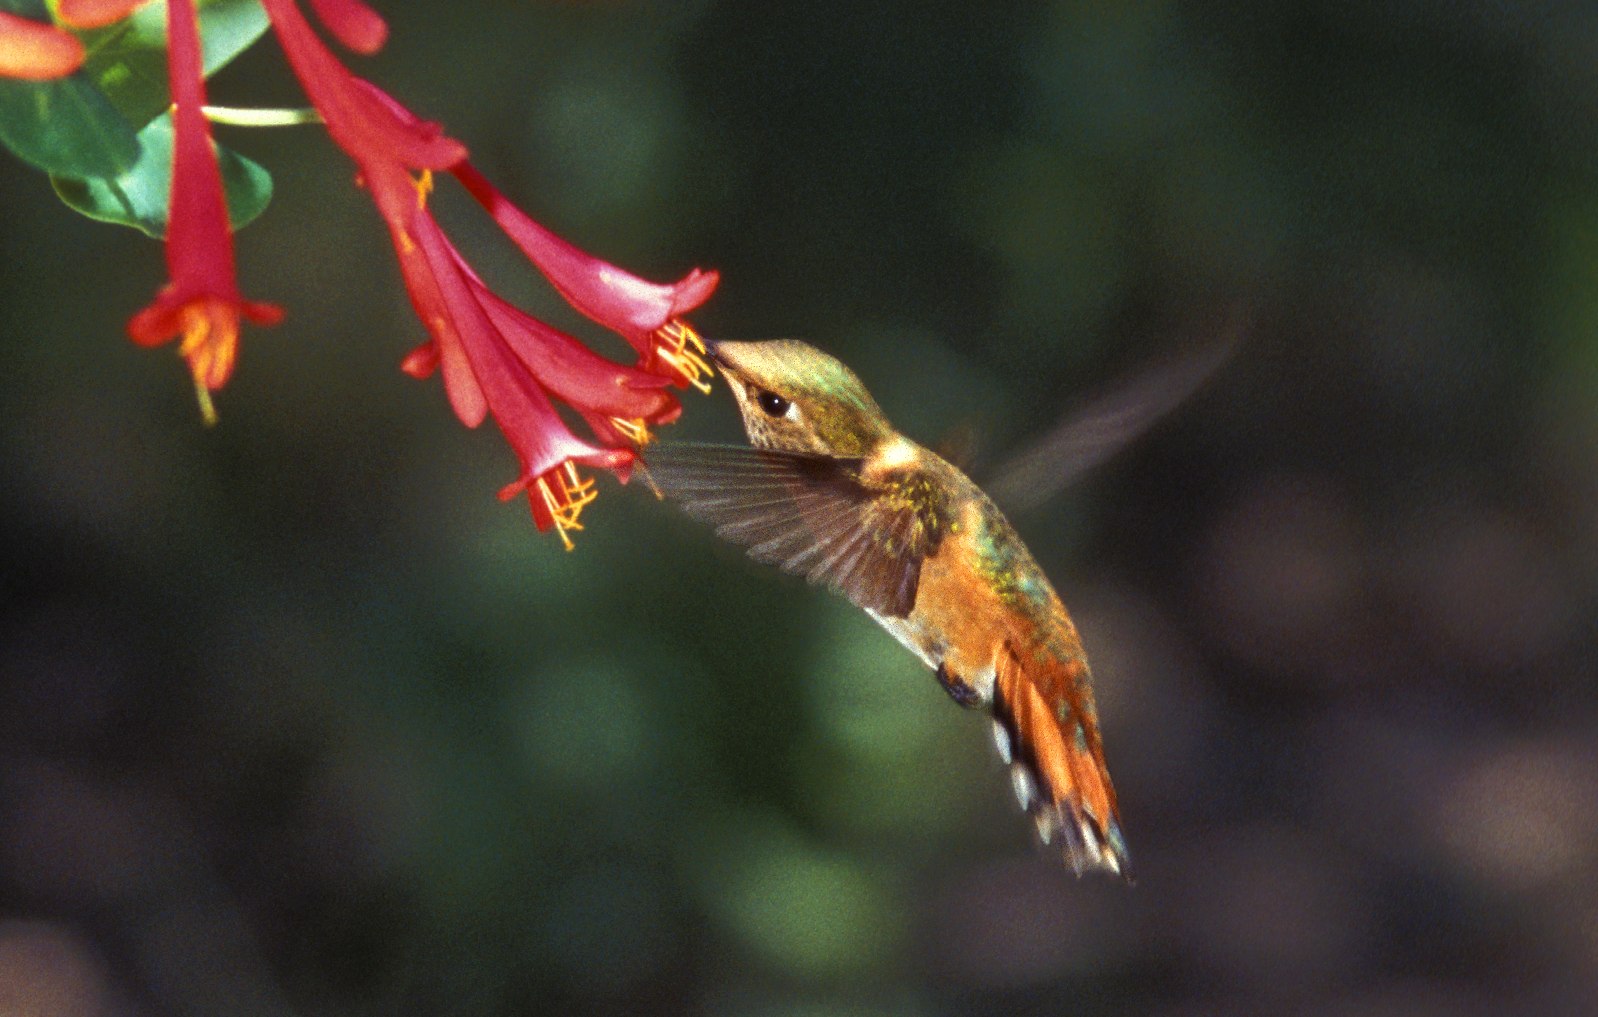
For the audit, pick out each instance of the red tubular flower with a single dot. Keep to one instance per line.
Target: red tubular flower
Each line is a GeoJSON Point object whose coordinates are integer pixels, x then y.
{"type": "Point", "coordinates": [495, 359]}
{"type": "Point", "coordinates": [618, 403]}
{"type": "Point", "coordinates": [355, 24]}
{"type": "Point", "coordinates": [482, 373]}
{"type": "Point", "coordinates": [546, 447]}
{"type": "Point", "coordinates": [361, 123]}
{"type": "Point", "coordinates": [35, 51]}
{"type": "Point", "coordinates": [647, 314]}
{"type": "Point", "coordinates": [202, 299]}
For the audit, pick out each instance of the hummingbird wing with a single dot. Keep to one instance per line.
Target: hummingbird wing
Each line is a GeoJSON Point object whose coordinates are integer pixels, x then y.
{"type": "Point", "coordinates": [812, 515]}
{"type": "Point", "coordinates": [1093, 433]}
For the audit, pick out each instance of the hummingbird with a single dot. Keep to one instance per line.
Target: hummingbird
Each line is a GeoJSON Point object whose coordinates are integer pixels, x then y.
{"type": "Point", "coordinates": [830, 490]}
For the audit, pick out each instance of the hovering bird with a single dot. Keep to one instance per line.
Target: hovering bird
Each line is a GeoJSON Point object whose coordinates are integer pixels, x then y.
{"type": "Point", "coordinates": [831, 491]}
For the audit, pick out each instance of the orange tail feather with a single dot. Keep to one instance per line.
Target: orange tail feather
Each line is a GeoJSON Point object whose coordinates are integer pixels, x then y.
{"type": "Point", "coordinates": [1057, 761]}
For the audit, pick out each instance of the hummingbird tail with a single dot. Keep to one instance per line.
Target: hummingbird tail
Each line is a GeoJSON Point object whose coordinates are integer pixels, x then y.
{"type": "Point", "coordinates": [1051, 743]}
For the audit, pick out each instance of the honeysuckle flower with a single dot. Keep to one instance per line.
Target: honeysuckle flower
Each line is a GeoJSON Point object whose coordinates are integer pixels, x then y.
{"type": "Point", "coordinates": [95, 13]}
{"type": "Point", "coordinates": [358, 120]}
{"type": "Point", "coordinates": [495, 359]}
{"type": "Point", "coordinates": [647, 314]}
{"type": "Point", "coordinates": [34, 51]}
{"type": "Point", "coordinates": [353, 23]}
{"type": "Point", "coordinates": [505, 360]}
{"type": "Point", "coordinates": [202, 300]}
{"type": "Point", "coordinates": [547, 449]}
{"type": "Point", "coordinates": [618, 403]}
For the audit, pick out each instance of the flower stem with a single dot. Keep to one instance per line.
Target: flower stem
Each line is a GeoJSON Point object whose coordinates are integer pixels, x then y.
{"type": "Point", "coordinates": [237, 117]}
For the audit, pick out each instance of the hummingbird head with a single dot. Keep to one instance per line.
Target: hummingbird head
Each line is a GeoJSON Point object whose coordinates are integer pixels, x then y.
{"type": "Point", "coordinates": [795, 398]}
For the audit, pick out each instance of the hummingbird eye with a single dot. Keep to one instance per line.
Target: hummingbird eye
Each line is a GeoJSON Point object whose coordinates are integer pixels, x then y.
{"type": "Point", "coordinates": [774, 404]}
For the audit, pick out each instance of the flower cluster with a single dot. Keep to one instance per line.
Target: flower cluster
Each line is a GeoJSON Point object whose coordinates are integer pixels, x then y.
{"type": "Point", "coordinates": [494, 358]}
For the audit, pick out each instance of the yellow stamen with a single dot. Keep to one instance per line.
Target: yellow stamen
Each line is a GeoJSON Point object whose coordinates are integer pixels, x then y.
{"type": "Point", "coordinates": [207, 409]}
{"type": "Point", "coordinates": [675, 339]}
{"type": "Point", "coordinates": [578, 490]}
{"type": "Point", "coordinates": [633, 430]}
{"type": "Point", "coordinates": [682, 333]}
{"type": "Point", "coordinates": [210, 341]}
{"type": "Point", "coordinates": [565, 507]}
{"type": "Point", "coordinates": [553, 508]}
{"type": "Point", "coordinates": [424, 187]}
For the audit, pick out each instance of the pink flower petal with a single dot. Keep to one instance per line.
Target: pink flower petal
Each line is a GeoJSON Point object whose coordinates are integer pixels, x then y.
{"type": "Point", "coordinates": [622, 302]}
{"type": "Point", "coordinates": [524, 413]}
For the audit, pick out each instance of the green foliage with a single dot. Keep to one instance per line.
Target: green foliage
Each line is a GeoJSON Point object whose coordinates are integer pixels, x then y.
{"type": "Point", "coordinates": [138, 198]}
{"type": "Point", "coordinates": [102, 134]}
{"type": "Point", "coordinates": [65, 126]}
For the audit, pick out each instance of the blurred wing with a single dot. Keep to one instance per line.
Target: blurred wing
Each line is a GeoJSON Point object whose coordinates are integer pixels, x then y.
{"type": "Point", "coordinates": [1089, 436]}
{"type": "Point", "coordinates": [961, 446]}
{"type": "Point", "coordinates": [809, 514]}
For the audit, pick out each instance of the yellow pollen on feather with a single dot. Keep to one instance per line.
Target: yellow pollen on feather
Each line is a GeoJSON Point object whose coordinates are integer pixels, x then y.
{"type": "Point", "coordinates": [565, 507]}
{"type": "Point", "coordinates": [633, 430]}
{"type": "Point", "coordinates": [675, 339]}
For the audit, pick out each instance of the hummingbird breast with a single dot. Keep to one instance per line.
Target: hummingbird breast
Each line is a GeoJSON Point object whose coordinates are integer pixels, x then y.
{"type": "Point", "coordinates": [979, 590]}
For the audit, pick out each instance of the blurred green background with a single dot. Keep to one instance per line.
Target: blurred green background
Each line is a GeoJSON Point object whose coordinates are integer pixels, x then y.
{"type": "Point", "coordinates": [297, 718]}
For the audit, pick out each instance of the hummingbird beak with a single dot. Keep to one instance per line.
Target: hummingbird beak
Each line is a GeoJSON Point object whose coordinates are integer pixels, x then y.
{"type": "Point", "coordinates": [713, 351]}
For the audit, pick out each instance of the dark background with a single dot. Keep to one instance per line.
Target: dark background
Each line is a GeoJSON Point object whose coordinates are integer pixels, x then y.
{"type": "Point", "coordinates": [296, 717]}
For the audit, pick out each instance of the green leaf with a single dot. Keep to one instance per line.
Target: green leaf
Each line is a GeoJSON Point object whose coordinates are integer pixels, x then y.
{"type": "Point", "coordinates": [66, 127]}
{"type": "Point", "coordinates": [139, 197]}
{"type": "Point", "coordinates": [127, 60]}
{"type": "Point", "coordinates": [63, 126]}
